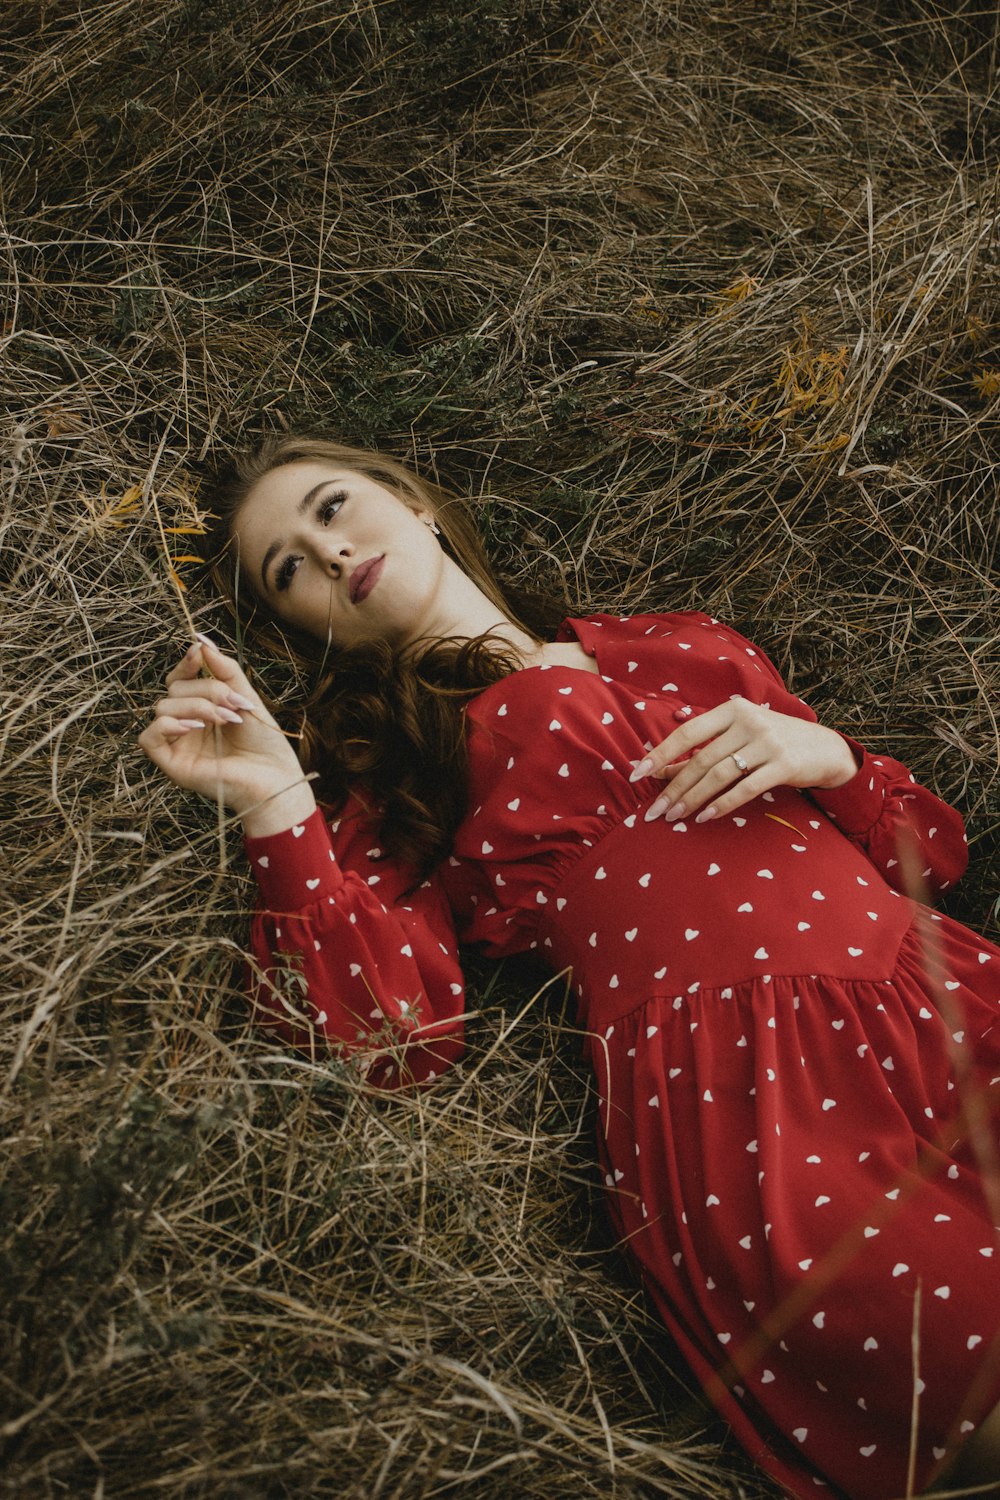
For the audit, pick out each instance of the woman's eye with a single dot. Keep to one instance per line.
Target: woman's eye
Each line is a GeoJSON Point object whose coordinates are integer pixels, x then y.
{"type": "Point", "coordinates": [283, 577]}
{"type": "Point", "coordinates": [326, 510]}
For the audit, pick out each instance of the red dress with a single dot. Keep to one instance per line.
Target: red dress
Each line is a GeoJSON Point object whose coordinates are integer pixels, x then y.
{"type": "Point", "coordinates": [788, 1048]}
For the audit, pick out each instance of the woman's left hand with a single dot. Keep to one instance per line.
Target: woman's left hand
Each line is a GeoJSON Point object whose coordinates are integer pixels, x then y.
{"type": "Point", "coordinates": [776, 749]}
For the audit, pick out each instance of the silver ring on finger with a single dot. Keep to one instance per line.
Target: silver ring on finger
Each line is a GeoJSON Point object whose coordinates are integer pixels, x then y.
{"type": "Point", "coordinates": [741, 764]}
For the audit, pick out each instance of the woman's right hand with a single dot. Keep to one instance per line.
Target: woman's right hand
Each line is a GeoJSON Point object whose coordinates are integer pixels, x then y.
{"type": "Point", "coordinates": [213, 735]}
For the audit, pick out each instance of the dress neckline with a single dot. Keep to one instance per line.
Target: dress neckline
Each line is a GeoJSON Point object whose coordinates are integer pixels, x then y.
{"type": "Point", "coordinates": [546, 666]}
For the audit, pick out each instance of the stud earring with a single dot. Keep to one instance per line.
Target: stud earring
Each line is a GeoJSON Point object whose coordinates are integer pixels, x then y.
{"type": "Point", "coordinates": [436, 529]}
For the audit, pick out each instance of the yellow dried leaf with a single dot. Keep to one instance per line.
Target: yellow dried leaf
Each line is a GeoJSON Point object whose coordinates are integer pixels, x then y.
{"type": "Point", "coordinates": [775, 819]}
{"type": "Point", "coordinates": [975, 329]}
{"type": "Point", "coordinates": [731, 296]}
{"type": "Point", "coordinates": [740, 290]}
{"type": "Point", "coordinates": [104, 513]}
{"type": "Point", "coordinates": [643, 307]}
{"type": "Point", "coordinates": [808, 378]}
{"type": "Point", "coordinates": [60, 422]}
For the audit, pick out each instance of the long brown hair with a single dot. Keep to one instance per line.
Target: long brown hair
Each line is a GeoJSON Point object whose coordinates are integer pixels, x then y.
{"type": "Point", "coordinates": [375, 721]}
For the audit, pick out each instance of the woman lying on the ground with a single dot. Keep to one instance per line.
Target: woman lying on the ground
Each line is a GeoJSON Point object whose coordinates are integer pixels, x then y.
{"type": "Point", "coordinates": [795, 1057]}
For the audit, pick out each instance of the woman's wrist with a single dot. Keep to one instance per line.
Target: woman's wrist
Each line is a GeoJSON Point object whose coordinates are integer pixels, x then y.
{"type": "Point", "coordinates": [844, 766]}
{"type": "Point", "coordinates": [278, 809]}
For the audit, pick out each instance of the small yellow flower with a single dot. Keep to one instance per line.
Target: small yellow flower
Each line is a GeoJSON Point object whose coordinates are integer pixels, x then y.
{"type": "Point", "coordinates": [987, 384]}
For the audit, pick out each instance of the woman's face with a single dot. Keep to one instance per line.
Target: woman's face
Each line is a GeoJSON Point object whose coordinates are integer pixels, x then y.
{"type": "Point", "coordinates": [339, 556]}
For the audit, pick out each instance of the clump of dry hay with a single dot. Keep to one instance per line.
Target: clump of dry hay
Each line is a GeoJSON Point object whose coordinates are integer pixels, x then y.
{"type": "Point", "coordinates": [700, 305]}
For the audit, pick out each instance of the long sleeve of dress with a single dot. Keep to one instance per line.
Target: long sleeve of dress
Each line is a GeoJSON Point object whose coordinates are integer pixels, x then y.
{"type": "Point", "coordinates": [344, 961]}
{"type": "Point", "coordinates": [913, 838]}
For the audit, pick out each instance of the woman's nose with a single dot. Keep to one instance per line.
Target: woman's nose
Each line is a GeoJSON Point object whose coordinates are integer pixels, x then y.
{"type": "Point", "coordinates": [332, 552]}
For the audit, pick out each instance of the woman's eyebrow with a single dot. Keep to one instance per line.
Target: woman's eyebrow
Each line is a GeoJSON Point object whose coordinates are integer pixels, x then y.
{"type": "Point", "coordinates": [301, 508]}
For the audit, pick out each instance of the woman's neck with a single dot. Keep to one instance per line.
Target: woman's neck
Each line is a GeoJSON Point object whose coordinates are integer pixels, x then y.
{"type": "Point", "coordinates": [462, 611]}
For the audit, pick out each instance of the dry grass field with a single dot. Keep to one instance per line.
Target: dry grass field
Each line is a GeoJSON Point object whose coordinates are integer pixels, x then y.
{"type": "Point", "coordinates": [700, 304]}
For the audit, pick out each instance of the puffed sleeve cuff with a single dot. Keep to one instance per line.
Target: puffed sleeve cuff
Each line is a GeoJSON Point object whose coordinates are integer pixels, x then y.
{"type": "Point", "coordinates": [296, 867]}
{"type": "Point", "coordinates": [856, 806]}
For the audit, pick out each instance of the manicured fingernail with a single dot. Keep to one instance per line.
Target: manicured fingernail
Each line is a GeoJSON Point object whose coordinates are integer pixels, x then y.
{"type": "Point", "coordinates": [642, 769]}
{"type": "Point", "coordinates": [653, 810]}
{"type": "Point", "coordinates": [229, 716]}
{"type": "Point", "coordinates": [206, 640]}
{"type": "Point", "coordinates": [675, 811]}
{"type": "Point", "coordinates": [705, 814]}
{"type": "Point", "coordinates": [192, 723]}
{"type": "Point", "coordinates": [237, 700]}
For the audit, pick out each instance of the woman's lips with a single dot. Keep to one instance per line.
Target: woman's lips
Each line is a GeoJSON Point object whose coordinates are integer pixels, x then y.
{"type": "Point", "coordinates": [365, 577]}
